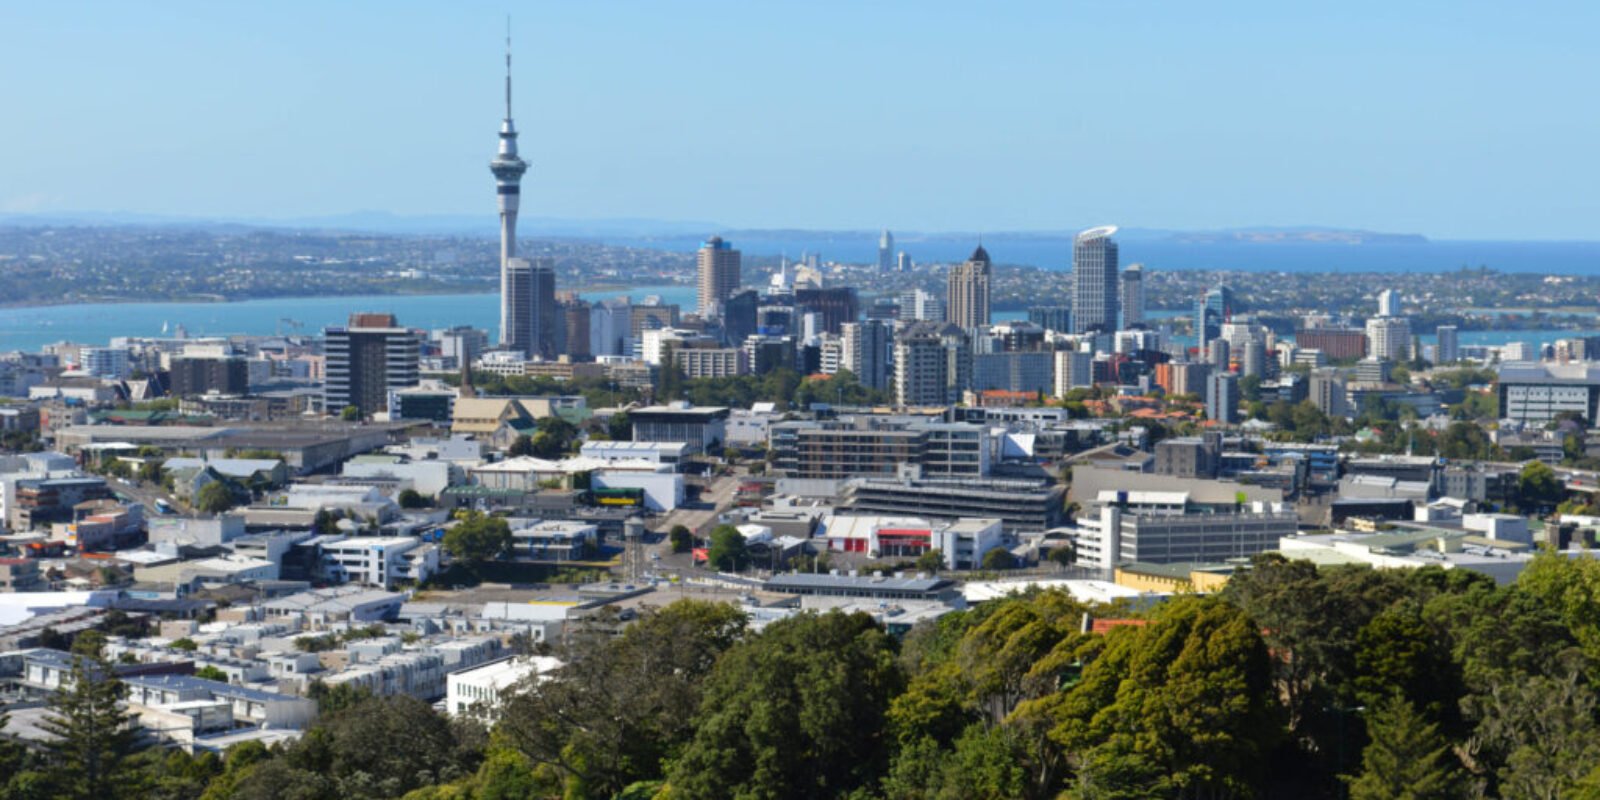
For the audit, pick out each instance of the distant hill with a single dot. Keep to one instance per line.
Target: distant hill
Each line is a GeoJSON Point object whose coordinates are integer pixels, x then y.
{"type": "Point", "coordinates": [640, 229]}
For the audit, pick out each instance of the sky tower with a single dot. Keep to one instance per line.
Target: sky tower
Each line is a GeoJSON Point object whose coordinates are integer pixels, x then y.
{"type": "Point", "coordinates": [508, 169]}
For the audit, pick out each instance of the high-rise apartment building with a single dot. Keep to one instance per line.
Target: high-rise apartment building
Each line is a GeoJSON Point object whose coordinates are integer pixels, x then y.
{"type": "Point", "coordinates": [1074, 369]}
{"type": "Point", "coordinates": [886, 251]}
{"type": "Point", "coordinates": [1222, 397]}
{"type": "Point", "coordinates": [463, 343]}
{"type": "Point", "coordinates": [197, 376]}
{"type": "Point", "coordinates": [917, 305]}
{"type": "Point", "coordinates": [611, 327]}
{"type": "Point", "coordinates": [1448, 349]}
{"type": "Point", "coordinates": [1094, 280]}
{"type": "Point", "coordinates": [719, 271]}
{"type": "Point", "coordinates": [932, 365]}
{"type": "Point", "coordinates": [967, 302]}
{"type": "Point", "coordinates": [1389, 303]}
{"type": "Point", "coordinates": [1328, 392]}
{"type": "Point", "coordinates": [903, 262]}
{"type": "Point", "coordinates": [865, 351]}
{"type": "Point", "coordinates": [1389, 338]}
{"type": "Point", "coordinates": [1133, 295]}
{"type": "Point", "coordinates": [739, 315]}
{"type": "Point", "coordinates": [366, 360]}
{"type": "Point", "coordinates": [1219, 353]}
{"type": "Point", "coordinates": [574, 329]}
{"type": "Point", "coordinates": [104, 362]}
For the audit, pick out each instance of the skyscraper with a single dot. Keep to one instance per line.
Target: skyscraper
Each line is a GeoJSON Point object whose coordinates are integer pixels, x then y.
{"type": "Point", "coordinates": [508, 169]}
{"type": "Point", "coordinates": [886, 251]}
{"type": "Point", "coordinates": [545, 318]}
{"type": "Point", "coordinates": [1133, 295]}
{"type": "Point", "coordinates": [968, 299]}
{"type": "Point", "coordinates": [903, 262]}
{"type": "Point", "coordinates": [516, 305]}
{"type": "Point", "coordinates": [865, 351]}
{"type": "Point", "coordinates": [1389, 303]}
{"type": "Point", "coordinates": [1214, 308]}
{"type": "Point", "coordinates": [528, 300]}
{"type": "Point", "coordinates": [1447, 350]}
{"type": "Point", "coordinates": [366, 360]}
{"type": "Point", "coordinates": [1094, 280]}
{"type": "Point", "coordinates": [719, 275]}
{"type": "Point", "coordinates": [1389, 338]}
{"type": "Point", "coordinates": [1222, 397]}
{"type": "Point", "coordinates": [574, 329]}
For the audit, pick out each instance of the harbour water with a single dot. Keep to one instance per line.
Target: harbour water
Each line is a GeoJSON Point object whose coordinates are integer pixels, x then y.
{"type": "Point", "coordinates": [34, 327]}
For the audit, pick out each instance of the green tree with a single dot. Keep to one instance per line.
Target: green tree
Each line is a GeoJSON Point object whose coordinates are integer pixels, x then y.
{"type": "Point", "coordinates": [796, 711]}
{"type": "Point", "coordinates": [89, 644]}
{"type": "Point", "coordinates": [92, 737]}
{"type": "Point", "coordinates": [1064, 556]}
{"type": "Point", "coordinates": [478, 538]}
{"type": "Point", "coordinates": [681, 538]}
{"type": "Point", "coordinates": [999, 558]}
{"type": "Point", "coordinates": [931, 561]}
{"type": "Point", "coordinates": [520, 446]}
{"type": "Point", "coordinates": [619, 427]}
{"type": "Point", "coordinates": [621, 706]}
{"type": "Point", "coordinates": [336, 698]}
{"type": "Point", "coordinates": [411, 498]}
{"type": "Point", "coordinates": [350, 414]}
{"type": "Point", "coordinates": [211, 673]}
{"type": "Point", "coordinates": [12, 758]}
{"type": "Point", "coordinates": [1538, 487]}
{"type": "Point", "coordinates": [1538, 734]}
{"type": "Point", "coordinates": [727, 552]}
{"type": "Point", "coordinates": [1178, 708]}
{"type": "Point", "coordinates": [553, 437]}
{"type": "Point", "coordinates": [214, 498]}
{"type": "Point", "coordinates": [1396, 653]}
{"type": "Point", "coordinates": [1407, 758]}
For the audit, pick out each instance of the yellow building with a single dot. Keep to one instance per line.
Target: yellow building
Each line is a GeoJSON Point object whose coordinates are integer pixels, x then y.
{"type": "Point", "coordinates": [1174, 578]}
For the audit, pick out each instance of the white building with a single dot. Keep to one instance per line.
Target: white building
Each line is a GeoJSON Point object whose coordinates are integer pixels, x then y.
{"type": "Point", "coordinates": [1389, 338]}
{"type": "Point", "coordinates": [655, 452]}
{"type": "Point", "coordinates": [378, 560]}
{"type": "Point", "coordinates": [480, 690]}
{"type": "Point", "coordinates": [555, 540]}
{"type": "Point", "coordinates": [962, 542]}
{"type": "Point", "coordinates": [748, 428]}
{"type": "Point", "coordinates": [104, 362]}
{"type": "Point", "coordinates": [1074, 369]}
{"type": "Point", "coordinates": [427, 478]}
{"type": "Point", "coordinates": [1162, 527]}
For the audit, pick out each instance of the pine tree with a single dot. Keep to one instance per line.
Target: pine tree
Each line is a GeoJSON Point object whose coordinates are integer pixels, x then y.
{"type": "Point", "coordinates": [1406, 759]}
{"type": "Point", "coordinates": [92, 735]}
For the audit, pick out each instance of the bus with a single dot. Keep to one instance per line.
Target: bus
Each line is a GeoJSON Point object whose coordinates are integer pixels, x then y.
{"type": "Point", "coordinates": [618, 497]}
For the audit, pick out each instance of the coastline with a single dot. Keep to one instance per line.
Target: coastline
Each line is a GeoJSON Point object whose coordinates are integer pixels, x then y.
{"type": "Point", "coordinates": [211, 300]}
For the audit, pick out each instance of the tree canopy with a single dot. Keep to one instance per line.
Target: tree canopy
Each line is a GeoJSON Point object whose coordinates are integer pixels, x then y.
{"type": "Point", "coordinates": [478, 538]}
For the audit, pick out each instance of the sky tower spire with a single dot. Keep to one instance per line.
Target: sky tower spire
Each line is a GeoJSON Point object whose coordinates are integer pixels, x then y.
{"type": "Point", "coordinates": [508, 170]}
{"type": "Point", "coordinates": [508, 67]}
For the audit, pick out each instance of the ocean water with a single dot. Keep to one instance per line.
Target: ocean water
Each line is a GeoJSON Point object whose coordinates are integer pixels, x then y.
{"type": "Point", "coordinates": [32, 328]}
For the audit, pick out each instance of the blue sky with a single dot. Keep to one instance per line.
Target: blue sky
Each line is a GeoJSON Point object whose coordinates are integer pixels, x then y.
{"type": "Point", "coordinates": [1451, 119]}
